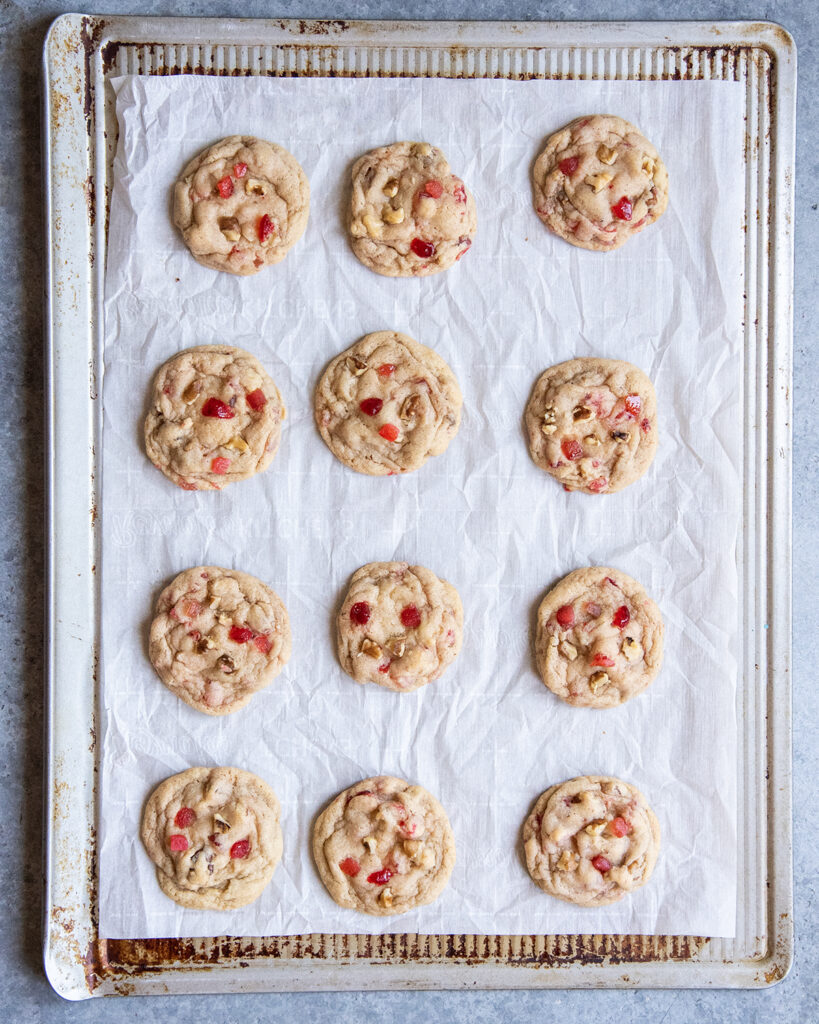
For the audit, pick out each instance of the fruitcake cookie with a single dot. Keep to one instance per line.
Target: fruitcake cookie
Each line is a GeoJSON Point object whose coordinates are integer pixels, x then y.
{"type": "Point", "coordinates": [592, 424]}
{"type": "Point", "coordinates": [384, 847]}
{"type": "Point", "coordinates": [591, 840]}
{"type": "Point", "coordinates": [599, 638]}
{"type": "Point", "coordinates": [386, 404]}
{"type": "Point", "coordinates": [219, 635]}
{"type": "Point", "coordinates": [400, 626]}
{"type": "Point", "coordinates": [598, 182]}
{"type": "Point", "coordinates": [215, 418]}
{"type": "Point", "coordinates": [214, 836]}
{"type": "Point", "coordinates": [241, 205]}
{"type": "Point", "coordinates": [409, 214]}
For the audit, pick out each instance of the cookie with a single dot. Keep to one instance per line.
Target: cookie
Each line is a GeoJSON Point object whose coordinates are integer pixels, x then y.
{"type": "Point", "coordinates": [214, 836]}
{"type": "Point", "coordinates": [386, 404]}
{"type": "Point", "coordinates": [409, 214]}
{"type": "Point", "coordinates": [592, 424]}
{"type": "Point", "coordinates": [598, 181]}
{"type": "Point", "coordinates": [384, 847]}
{"type": "Point", "coordinates": [400, 626]}
{"type": "Point", "coordinates": [599, 639]}
{"type": "Point", "coordinates": [241, 205]}
{"type": "Point", "coordinates": [219, 635]}
{"type": "Point", "coordinates": [591, 840]}
{"type": "Point", "coordinates": [215, 418]}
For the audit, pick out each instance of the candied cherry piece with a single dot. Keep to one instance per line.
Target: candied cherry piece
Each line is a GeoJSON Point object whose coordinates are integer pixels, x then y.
{"type": "Point", "coordinates": [601, 863]}
{"type": "Point", "coordinates": [645, 425]}
{"type": "Point", "coordinates": [371, 406]}
{"type": "Point", "coordinates": [384, 668]}
{"type": "Point", "coordinates": [262, 643]}
{"type": "Point", "coordinates": [265, 228]}
{"type": "Point", "coordinates": [425, 250]}
{"type": "Point", "coordinates": [411, 617]}
{"type": "Point", "coordinates": [225, 187]}
{"type": "Point", "coordinates": [622, 209]}
{"type": "Point", "coordinates": [593, 609]}
{"type": "Point", "coordinates": [220, 465]}
{"type": "Point", "coordinates": [389, 432]}
{"type": "Point", "coordinates": [621, 617]}
{"type": "Point", "coordinates": [599, 484]}
{"type": "Point", "coordinates": [380, 877]}
{"type": "Point", "coordinates": [602, 661]}
{"type": "Point", "coordinates": [569, 165]}
{"type": "Point", "coordinates": [571, 448]}
{"type": "Point", "coordinates": [434, 189]}
{"type": "Point", "coordinates": [217, 409]}
{"type": "Point", "coordinates": [619, 826]}
{"type": "Point", "coordinates": [459, 193]}
{"type": "Point", "coordinates": [360, 613]}
{"type": "Point", "coordinates": [240, 170]}
{"type": "Point", "coordinates": [386, 369]}
{"type": "Point", "coordinates": [256, 399]}
{"type": "Point", "coordinates": [634, 404]}
{"type": "Point", "coordinates": [565, 616]}
{"type": "Point", "coordinates": [185, 816]}
{"type": "Point", "coordinates": [240, 849]}
{"type": "Point", "coordinates": [178, 843]}
{"type": "Point", "coordinates": [240, 634]}
{"type": "Point", "coordinates": [350, 866]}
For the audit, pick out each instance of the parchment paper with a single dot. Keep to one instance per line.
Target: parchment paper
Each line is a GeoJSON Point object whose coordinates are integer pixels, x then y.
{"type": "Point", "coordinates": [488, 737]}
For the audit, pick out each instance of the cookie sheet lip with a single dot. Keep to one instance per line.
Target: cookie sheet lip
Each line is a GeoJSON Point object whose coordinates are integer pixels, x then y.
{"type": "Point", "coordinates": [598, 182]}
{"type": "Point", "coordinates": [592, 424]}
{"type": "Point", "coordinates": [241, 204]}
{"type": "Point", "coordinates": [591, 840]}
{"type": "Point", "coordinates": [599, 638]}
{"type": "Point", "coordinates": [386, 404]}
{"type": "Point", "coordinates": [218, 636]}
{"type": "Point", "coordinates": [215, 417]}
{"type": "Point", "coordinates": [383, 847]}
{"type": "Point", "coordinates": [409, 215]}
{"type": "Point", "coordinates": [214, 836]}
{"type": "Point", "coordinates": [400, 626]}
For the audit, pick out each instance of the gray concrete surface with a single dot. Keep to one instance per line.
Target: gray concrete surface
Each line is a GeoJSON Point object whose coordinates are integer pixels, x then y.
{"type": "Point", "coordinates": [24, 992]}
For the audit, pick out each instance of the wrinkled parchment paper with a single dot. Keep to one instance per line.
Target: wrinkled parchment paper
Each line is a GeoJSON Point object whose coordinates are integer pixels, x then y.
{"type": "Point", "coordinates": [488, 737]}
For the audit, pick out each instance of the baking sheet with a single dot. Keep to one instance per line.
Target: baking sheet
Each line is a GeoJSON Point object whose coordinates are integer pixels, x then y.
{"type": "Point", "coordinates": [488, 737]}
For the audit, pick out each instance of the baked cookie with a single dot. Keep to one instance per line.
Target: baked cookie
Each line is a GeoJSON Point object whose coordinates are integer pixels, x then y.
{"type": "Point", "coordinates": [400, 626]}
{"type": "Point", "coordinates": [598, 181]}
{"type": "Point", "coordinates": [599, 638]}
{"type": "Point", "coordinates": [592, 424]}
{"type": "Point", "coordinates": [591, 840]}
{"type": "Point", "coordinates": [215, 418]}
{"type": "Point", "coordinates": [219, 635]}
{"type": "Point", "coordinates": [409, 214]}
{"type": "Point", "coordinates": [214, 836]}
{"type": "Point", "coordinates": [241, 205]}
{"type": "Point", "coordinates": [386, 404]}
{"type": "Point", "coordinates": [384, 847]}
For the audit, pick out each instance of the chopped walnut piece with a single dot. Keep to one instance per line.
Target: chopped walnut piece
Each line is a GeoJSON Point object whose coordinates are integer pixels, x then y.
{"type": "Point", "coordinates": [229, 226]}
{"type": "Point", "coordinates": [598, 681]}
{"type": "Point", "coordinates": [396, 645]}
{"type": "Point", "coordinates": [372, 225]}
{"type": "Point", "coordinates": [370, 648]}
{"type": "Point", "coordinates": [412, 847]}
{"type": "Point", "coordinates": [370, 842]}
{"type": "Point", "coordinates": [355, 365]}
{"type": "Point", "coordinates": [226, 664]}
{"type": "Point", "coordinates": [599, 181]}
{"type": "Point", "coordinates": [606, 155]}
{"type": "Point", "coordinates": [595, 828]}
{"type": "Point", "coordinates": [632, 649]}
{"type": "Point", "coordinates": [385, 897]}
{"type": "Point", "coordinates": [238, 444]}
{"type": "Point", "coordinates": [568, 861]}
{"type": "Point", "coordinates": [391, 188]}
{"type": "Point", "coordinates": [409, 407]}
{"type": "Point", "coordinates": [582, 413]}
{"type": "Point", "coordinates": [591, 441]}
{"type": "Point", "coordinates": [256, 187]}
{"type": "Point", "coordinates": [568, 650]}
{"type": "Point", "coordinates": [220, 824]}
{"type": "Point", "coordinates": [192, 392]}
{"type": "Point", "coordinates": [393, 216]}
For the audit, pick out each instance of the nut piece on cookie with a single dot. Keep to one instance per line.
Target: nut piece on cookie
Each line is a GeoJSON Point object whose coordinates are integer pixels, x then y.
{"type": "Point", "coordinates": [241, 205]}
{"type": "Point", "coordinates": [409, 214]}
{"type": "Point", "coordinates": [409, 864]}
{"type": "Point", "coordinates": [599, 639]}
{"type": "Point", "coordinates": [602, 419]}
{"type": "Point", "coordinates": [400, 626]}
{"type": "Point", "coordinates": [591, 840]}
{"type": "Point", "coordinates": [214, 836]}
{"type": "Point", "coordinates": [598, 181]}
{"type": "Point", "coordinates": [387, 404]}
{"type": "Point", "coordinates": [218, 636]}
{"type": "Point", "coordinates": [215, 418]}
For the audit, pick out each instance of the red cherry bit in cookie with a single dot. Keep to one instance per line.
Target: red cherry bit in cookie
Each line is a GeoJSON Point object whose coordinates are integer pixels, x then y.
{"type": "Point", "coordinates": [220, 465]}
{"type": "Point", "coordinates": [262, 643]}
{"type": "Point", "coordinates": [360, 613]}
{"type": "Point", "coordinates": [621, 617]}
{"type": "Point", "coordinates": [240, 170]}
{"type": "Point", "coordinates": [602, 661]}
{"type": "Point", "coordinates": [217, 409]}
{"type": "Point", "coordinates": [350, 866]}
{"type": "Point", "coordinates": [569, 165]}
{"type": "Point", "coordinates": [423, 249]}
{"type": "Point", "coordinates": [622, 209]}
{"type": "Point", "coordinates": [601, 863]}
{"type": "Point", "coordinates": [386, 369]}
{"type": "Point", "coordinates": [256, 399]}
{"type": "Point", "coordinates": [571, 448]}
{"type": "Point", "coordinates": [411, 617]}
{"type": "Point", "coordinates": [371, 406]}
{"type": "Point", "coordinates": [565, 616]}
{"type": "Point", "coordinates": [380, 877]}
{"type": "Point", "coordinates": [225, 187]}
{"type": "Point", "coordinates": [389, 432]}
{"type": "Point", "coordinates": [178, 843]}
{"type": "Point", "coordinates": [265, 228]}
{"type": "Point", "coordinates": [240, 634]}
{"type": "Point", "coordinates": [620, 827]}
{"type": "Point", "coordinates": [185, 816]}
{"type": "Point", "coordinates": [434, 189]}
{"type": "Point", "coordinates": [240, 849]}
{"type": "Point", "coordinates": [633, 404]}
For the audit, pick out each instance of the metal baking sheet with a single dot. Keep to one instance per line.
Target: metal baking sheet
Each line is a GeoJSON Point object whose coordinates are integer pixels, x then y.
{"type": "Point", "coordinates": [80, 131]}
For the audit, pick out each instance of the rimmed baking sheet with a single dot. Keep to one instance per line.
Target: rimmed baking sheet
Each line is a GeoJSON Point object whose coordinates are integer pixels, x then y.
{"type": "Point", "coordinates": [619, 52]}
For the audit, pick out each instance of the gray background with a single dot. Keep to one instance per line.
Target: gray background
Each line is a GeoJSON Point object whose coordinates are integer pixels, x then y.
{"type": "Point", "coordinates": [26, 994]}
